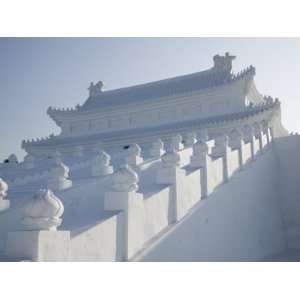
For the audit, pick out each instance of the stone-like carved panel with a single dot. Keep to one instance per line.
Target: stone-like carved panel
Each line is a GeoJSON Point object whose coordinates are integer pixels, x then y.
{"type": "Point", "coordinates": [167, 114]}
{"type": "Point", "coordinates": [76, 127]}
{"type": "Point", "coordinates": [118, 122]}
{"type": "Point", "coordinates": [97, 125]}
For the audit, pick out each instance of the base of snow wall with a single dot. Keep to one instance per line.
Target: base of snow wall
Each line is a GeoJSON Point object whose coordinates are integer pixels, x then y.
{"type": "Point", "coordinates": [288, 149]}
{"type": "Point", "coordinates": [188, 190]}
{"type": "Point", "coordinates": [38, 245]}
{"type": "Point", "coordinates": [240, 221]}
{"type": "Point", "coordinates": [98, 242]}
{"type": "Point", "coordinates": [247, 155]}
{"type": "Point", "coordinates": [215, 173]}
{"type": "Point", "coordinates": [233, 163]}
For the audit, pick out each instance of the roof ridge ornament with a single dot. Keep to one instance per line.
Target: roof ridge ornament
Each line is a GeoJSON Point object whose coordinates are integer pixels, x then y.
{"type": "Point", "coordinates": [223, 62]}
{"type": "Point", "coordinates": [95, 89]}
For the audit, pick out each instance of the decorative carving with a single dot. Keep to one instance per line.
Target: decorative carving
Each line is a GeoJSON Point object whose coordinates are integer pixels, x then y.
{"type": "Point", "coordinates": [171, 159]}
{"type": "Point", "coordinates": [190, 139]}
{"type": "Point", "coordinates": [170, 168]}
{"type": "Point", "coordinates": [223, 63]}
{"type": "Point", "coordinates": [125, 179]}
{"type": "Point", "coordinates": [247, 134]}
{"type": "Point", "coordinates": [101, 164]}
{"type": "Point", "coordinates": [29, 162]}
{"type": "Point", "coordinates": [200, 151]}
{"type": "Point", "coordinates": [257, 129]}
{"type": "Point", "coordinates": [133, 155]}
{"type": "Point", "coordinates": [203, 135]}
{"type": "Point", "coordinates": [200, 148]}
{"type": "Point", "coordinates": [176, 142]}
{"type": "Point", "coordinates": [3, 189]}
{"type": "Point", "coordinates": [235, 139]}
{"type": "Point", "coordinates": [157, 148]}
{"type": "Point", "coordinates": [43, 212]}
{"type": "Point", "coordinates": [221, 143]}
{"type": "Point", "coordinates": [265, 128]}
{"type": "Point", "coordinates": [4, 203]}
{"type": "Point", "coordinates": [59, 175]}
{"type": "Point", "coordinates": [12, 159]}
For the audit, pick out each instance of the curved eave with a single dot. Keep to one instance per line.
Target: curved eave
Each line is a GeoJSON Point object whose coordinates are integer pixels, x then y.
{"type": "Point", "coordinates": [58, 115]}
{"type": "Point", "coordinates": [212, 121]}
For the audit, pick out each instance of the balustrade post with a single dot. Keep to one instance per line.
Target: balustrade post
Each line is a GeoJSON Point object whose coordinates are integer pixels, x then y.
{"type": "Point", "coordinates": [157, 149]}
{"type": "Point", "coordinates": [4, 203]}
{"type": "Point", "coordinates": [221, 150]}
{"type": "Point", "coordinates": [40, 240]}
{"type": "Point", "coordinates": [123, 197]}
{"type": "Point", "coordinates": [133, 155]}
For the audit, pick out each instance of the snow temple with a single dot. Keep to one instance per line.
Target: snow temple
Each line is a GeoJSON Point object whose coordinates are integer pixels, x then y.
{"type": "Point", "coordinates": [193, 168]}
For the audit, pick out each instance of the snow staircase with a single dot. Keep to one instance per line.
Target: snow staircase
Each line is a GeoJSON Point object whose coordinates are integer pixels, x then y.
{"type": "Point", "coordinates": [120, 217]}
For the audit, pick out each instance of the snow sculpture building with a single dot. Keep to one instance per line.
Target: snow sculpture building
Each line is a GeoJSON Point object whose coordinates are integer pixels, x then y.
{"type": "Point", "coordinates": [139, 114]}
{"type": "Point", "coordinates": [189, 168]}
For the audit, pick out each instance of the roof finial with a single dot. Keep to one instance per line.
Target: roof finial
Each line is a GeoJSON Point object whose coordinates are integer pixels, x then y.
{"type": "Point", "coordinates": [95, 89]}
{"type": "Point", "coordinates": [223, 63]}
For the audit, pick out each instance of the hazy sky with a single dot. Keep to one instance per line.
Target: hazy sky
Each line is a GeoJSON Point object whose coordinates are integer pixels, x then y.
{"type": "Point", "coordinates": [38, 73]}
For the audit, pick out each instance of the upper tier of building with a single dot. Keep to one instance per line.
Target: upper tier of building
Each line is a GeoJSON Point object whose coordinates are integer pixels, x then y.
{"type": "Point", "coordinates": [219, 74]}
{"type": "Point", "coordinates": [189, 98]}
{"type": "Point", "coordinates": [207, 93]}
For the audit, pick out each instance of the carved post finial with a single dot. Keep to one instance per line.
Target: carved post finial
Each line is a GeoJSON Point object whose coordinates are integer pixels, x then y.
{"type": "Point", "coordinates": [4, 203]}
{"type": "Point", "coordinates": [203, 135]}
{"type": "Point", "coordinates": [157, 148]}
{"type": "Point", "coordinates": [176, 142]}
{"type": "Point", "coordinates": [43, 212]}
{"type": "Point", "coordinates": [171, 158]}
{"type": "Point", "coordinates": [247, 134]}
{"type": "Point", "coordinates": [200, 151]}
{"type": "Point", "coordinates": [59, 175]}
{"type": "Point", "coordinates": [190, 139]}
{"type": "Point", "coordinates": [221, 144]}
{"type": "Point", "coordinates": [170, 168]}
{"type": "Point", "coordinates": [235, 139]}
{"type": "Point", "coordinates": [12, 160]}
{"type": "Point", "coordinates": [101, 164]}
{"type": "Point", "coordinates": [133, 155]}
{"type": "Point", "coordinates": [125, 179]}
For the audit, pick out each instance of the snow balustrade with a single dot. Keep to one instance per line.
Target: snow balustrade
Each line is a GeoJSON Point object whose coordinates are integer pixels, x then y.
{"type": "Point", "coordinates": [187, 172]}
{"type": "Point", "coordinates": [98, 165]}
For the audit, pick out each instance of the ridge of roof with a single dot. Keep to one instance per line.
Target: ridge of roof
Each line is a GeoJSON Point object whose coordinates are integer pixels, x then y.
{"type": "Point", "coordinates": [157, 89]}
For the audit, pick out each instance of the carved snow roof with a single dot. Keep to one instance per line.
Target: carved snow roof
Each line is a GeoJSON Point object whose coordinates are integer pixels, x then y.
{"type": "Point", "coordinates": [218, 75]}
{"type": "Point", "coordinates": [158, 89]}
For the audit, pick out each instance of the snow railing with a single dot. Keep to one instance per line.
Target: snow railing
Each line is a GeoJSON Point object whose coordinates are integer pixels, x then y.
{"type": "Point", "coordinates": [34, 178]}
{"type": "Point", "coordinates": [43, 175]}
{"type": "Point", "coordinates": [185, 174]}
{"type": "Point", "coordinates": [179, 188]}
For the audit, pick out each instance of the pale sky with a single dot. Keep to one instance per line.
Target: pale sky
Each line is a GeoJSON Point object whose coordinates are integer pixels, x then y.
{"type": "Point", "coordinates": [36, 73]}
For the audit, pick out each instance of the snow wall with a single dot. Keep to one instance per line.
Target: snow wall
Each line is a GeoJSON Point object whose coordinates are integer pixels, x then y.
{"type": "Point", "coordinates": [240, 221]}
{"type": "Point", "coordinates": [287, 150]}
